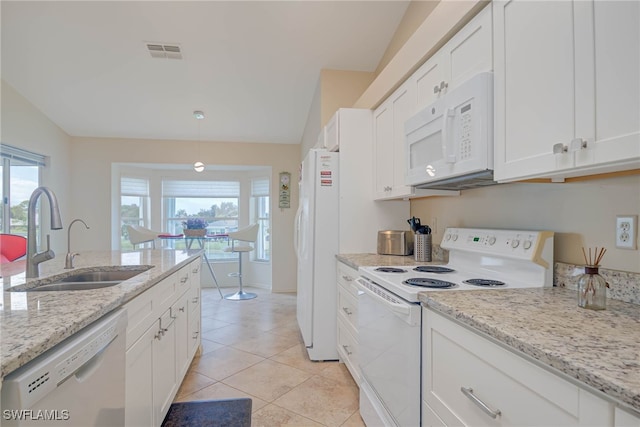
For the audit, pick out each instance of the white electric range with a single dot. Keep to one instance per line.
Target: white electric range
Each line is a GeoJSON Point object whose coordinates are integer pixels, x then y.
{"type": "Point", "coordinates": [390, 317]}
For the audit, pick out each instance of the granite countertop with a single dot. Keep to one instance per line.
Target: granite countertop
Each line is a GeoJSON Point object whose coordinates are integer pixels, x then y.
{"type": "Point", "coordinates": [598, 348]}
{"type": "Point", "coordinates": [364, 260]}
{"type": "Point", "coordinates": [33, 322]}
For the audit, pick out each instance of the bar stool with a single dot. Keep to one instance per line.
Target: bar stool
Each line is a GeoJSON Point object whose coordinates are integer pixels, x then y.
{"type": "Point", "coordinates": [247, 234]}
{"type": "Point", "coordinates": [139, 235]}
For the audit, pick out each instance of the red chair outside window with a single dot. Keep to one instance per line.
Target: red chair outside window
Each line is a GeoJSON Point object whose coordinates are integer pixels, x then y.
{"type": "Point", "coordinates": [12, 247]}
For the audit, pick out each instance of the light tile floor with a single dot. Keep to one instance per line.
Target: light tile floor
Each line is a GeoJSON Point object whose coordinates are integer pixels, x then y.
{"type": "Point", "coordinates": [253, 348]}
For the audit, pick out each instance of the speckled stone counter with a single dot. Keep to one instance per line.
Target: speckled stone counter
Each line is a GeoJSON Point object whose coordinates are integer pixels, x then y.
{"type": "Point", "coordinates": [364, 260]}
{"type": "Point", "coordinates": [33, 322]}
{"type": "Point", "coordinates": [598, 348]}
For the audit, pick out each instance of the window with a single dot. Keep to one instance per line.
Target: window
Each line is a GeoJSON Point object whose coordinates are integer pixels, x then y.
{"type": "Point", "coordinates": [260, 214]}
{"type": "Point", "coordinates": [20, 176]}
{"type": "Point", "coordinates": [214, 201]}
{"type": "Point", "coordinates": [134, 206]}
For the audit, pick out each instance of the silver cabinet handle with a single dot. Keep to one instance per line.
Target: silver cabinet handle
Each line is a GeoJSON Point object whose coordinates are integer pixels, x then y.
{"type": "Point", "coordinates": [346, 349]}
{"type": "Point", "coordinates": [578, 144]}
{"type": "Point", "coordinates": [347, 311]}
{"type": "Point", "coordinates": [181, 309]}
{"type": "Point", "coordinates": [195, 270]}
{"type": "Point", "coordinates": [195, 335]}
{"type": "Point", "coordinates": [347, 278]}
{"type": "Point", "coordinates": [195, 300]}
{"type": "Point", "coordinates": [184, 279]}
{"type": "Point", "coordinates": [468, 391]}
{"type": "Point", "coordinates": [560, 148]}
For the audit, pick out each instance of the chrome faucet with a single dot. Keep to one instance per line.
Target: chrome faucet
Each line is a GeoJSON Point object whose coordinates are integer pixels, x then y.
{"type": "Point", "coordinates": [68, 261]}
{"type": "Point", "coordinates": [33, 257]}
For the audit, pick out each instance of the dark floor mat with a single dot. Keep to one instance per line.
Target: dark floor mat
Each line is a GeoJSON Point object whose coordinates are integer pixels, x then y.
{"type": "Point", "coordinates": [210, 413]}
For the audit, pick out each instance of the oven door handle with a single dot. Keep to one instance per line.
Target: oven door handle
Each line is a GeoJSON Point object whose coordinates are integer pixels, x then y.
{"type": "Point", "coordinates": [397, 308]}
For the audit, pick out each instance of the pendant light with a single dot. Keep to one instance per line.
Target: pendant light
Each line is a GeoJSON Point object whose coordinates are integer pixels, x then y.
{"type": "Point", "coordinates": [198, 166]}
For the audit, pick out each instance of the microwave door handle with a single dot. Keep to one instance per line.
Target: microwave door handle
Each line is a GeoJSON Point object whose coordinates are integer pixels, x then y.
{"type": "Point", "coordinates": [448, 150]}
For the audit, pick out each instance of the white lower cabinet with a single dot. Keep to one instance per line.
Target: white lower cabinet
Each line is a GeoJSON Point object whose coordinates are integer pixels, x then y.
{"type": "Point", "coordinates": [468, 380]}
{"type": "Point", "coordinates": [347, 320]}
{"type": "Point", "coordinates": [626, 419]}
{"type": "Point", "coordinates": [160, 345]}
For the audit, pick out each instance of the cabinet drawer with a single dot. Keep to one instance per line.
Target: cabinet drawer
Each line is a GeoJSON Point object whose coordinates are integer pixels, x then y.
{"type": "Point", "coordinates": [348, 308]}
{"type": "Point", "coordinates": [348, 350]}
{"type": "Point", "coordinates": [182, 279]}
{"type": "Point", "coordinates": [347, 277]}
{"type": "Point", "coordinates": [524, 393]}
{"type": "Point", "coordinates": [165, 293]}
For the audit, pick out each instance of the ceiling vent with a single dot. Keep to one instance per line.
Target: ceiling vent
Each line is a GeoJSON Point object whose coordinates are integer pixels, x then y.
{"type": "Point", "coordinates": [162, 50]}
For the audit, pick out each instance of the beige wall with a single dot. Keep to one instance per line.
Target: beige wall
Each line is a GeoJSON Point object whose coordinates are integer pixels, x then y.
{"type": "Point", "coordinates": [93, 157]}
{"type": "Point", "coordinates": [24, 126]}
{"type": "Point", "coordinates": [417, 12]}
{"type": "Point", "coordinates": [335, 89]}
{"type": "Point", "coordinates": [581, 213]}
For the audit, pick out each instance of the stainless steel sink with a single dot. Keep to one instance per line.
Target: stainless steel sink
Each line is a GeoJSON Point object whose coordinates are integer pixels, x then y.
{"type": "Point", "coordinates": [83, 280]}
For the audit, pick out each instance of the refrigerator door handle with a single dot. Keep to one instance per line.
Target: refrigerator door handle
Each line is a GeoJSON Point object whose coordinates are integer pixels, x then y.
{"type": "Point", "coordinates": [296, 232]}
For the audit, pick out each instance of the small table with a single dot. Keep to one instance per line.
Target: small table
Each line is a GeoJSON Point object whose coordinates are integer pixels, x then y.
{"type": "Point", "coordinates": [189, 241]}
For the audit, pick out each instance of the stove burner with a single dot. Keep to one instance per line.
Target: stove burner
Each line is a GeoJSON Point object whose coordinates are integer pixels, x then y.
{"type": "Point", "coordinates": [390, 270]}
{"type": "Point", "coordinates": [429, 283]}
{"type": "Point", "coordinates": [484, 282]}
{"type": "Point", "coordinates": [433, 269]}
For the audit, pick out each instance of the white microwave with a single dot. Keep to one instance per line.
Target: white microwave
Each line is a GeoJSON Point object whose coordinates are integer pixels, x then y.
{"type": "Point", "coordinates": [449, 144]}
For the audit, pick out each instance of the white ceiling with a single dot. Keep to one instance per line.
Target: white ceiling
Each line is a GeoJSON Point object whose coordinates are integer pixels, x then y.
{"type": "Point", "coordinates": [252, 67]}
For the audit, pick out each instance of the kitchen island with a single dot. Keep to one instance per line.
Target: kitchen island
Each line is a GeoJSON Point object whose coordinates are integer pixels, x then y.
{"type": "Point", "coordinates": [33, 322]}
{"type": "Point", "coordinates": [598, 348]}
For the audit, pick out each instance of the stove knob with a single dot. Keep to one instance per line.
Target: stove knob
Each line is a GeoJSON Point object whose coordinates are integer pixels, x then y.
{"type": "Point", "coordinates": [492, 240]}
{"type": "Point", "coordinates": [515, 243]}
{"type": "Point", "coordinates": [455, 237]}
{"type": "Point", "coordinates": [527, 244]}
{"type": "Point", "coordinates": [447, 237]}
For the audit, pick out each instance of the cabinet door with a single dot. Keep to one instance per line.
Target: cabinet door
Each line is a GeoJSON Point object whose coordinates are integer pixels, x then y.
{"type": "Point", "coordinates": [626, 419]}
{"type": "Point", "coordinates": [469, 52]}
{"type": "Point", "coordinates": [164, 367]}
{"type": "Point", "coordinates": [608, 111]}
{"type": "Point", "coordinates": [139, 380]}
{"type": "Point", "coordinates": [179, 311]}
{"type": "Point", "coordinates": [534, 86]}
{"type": "Point", "coordinates": [383, 148]}
{"type": "Point", "coordinates": [404, 105]}
{"type": "Point", "coordinates": [194, 304]}
{"type": "Point", "coordinates": [428, 79]}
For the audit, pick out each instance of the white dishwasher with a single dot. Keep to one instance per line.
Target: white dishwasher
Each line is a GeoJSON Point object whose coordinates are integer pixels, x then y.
{"type": "Point", "coordinates": [79, 382]}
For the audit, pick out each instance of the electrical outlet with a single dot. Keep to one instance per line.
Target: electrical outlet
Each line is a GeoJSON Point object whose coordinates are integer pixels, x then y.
{"type": "Point", "coordinates": [626, 231]}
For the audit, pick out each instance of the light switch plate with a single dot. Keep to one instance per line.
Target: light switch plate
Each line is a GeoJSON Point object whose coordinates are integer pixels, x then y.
{"type": "Point", "coordinates": [626, 231]}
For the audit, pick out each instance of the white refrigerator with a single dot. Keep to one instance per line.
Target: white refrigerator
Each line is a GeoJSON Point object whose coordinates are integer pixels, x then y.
{"type": "Point", "coordinates": [316, 241]}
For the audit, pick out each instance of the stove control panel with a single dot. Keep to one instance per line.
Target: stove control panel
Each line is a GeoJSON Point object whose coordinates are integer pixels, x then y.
{"type": "Point", "coordinates": [520, 244]}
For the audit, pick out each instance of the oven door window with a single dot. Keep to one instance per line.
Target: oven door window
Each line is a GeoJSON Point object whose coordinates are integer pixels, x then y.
{"type": "Point", "coordinates": [390, 355]}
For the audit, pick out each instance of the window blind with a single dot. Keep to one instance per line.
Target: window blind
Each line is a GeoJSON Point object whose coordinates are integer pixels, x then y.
{"type": "Point", "coordinates": [20, 156]}
{"type": "Point", "coordinates": [260, 187]}
{"type": "Point", "coordinates": [134, 186]}
{"type": "Point", "coordinates": [173, 188]}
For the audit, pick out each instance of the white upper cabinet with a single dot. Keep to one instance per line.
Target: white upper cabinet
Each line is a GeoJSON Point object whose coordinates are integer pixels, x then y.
{"type": "Point", "coordinates": [566, 88]}
{"type": "Point", "coordinates": [468, 53]}
{"type": "Point", "coordinates": [389, 148]}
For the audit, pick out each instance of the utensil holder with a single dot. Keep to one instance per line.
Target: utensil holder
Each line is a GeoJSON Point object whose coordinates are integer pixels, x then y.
{"type": "Point", "coordinates": [422, 247]}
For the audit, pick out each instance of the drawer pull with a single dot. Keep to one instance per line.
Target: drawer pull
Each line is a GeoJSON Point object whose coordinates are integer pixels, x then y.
{"type": "Point", "coordinates": [184, 279]}
{"type": "Point", "coordinates": [181, 309]}
{"type": "Point", "coordinates": [195, 335]}
{"type": "Point", "coordinates": [346, 310]}
{"type": "Point", "coordinates": [195, 300]}
{"type": "Point", "coordinates": [493, 413]}
{"type": "Point", "coordinates": [347, 278]}
{"type": "Point", "coordinates": [346, 349]}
